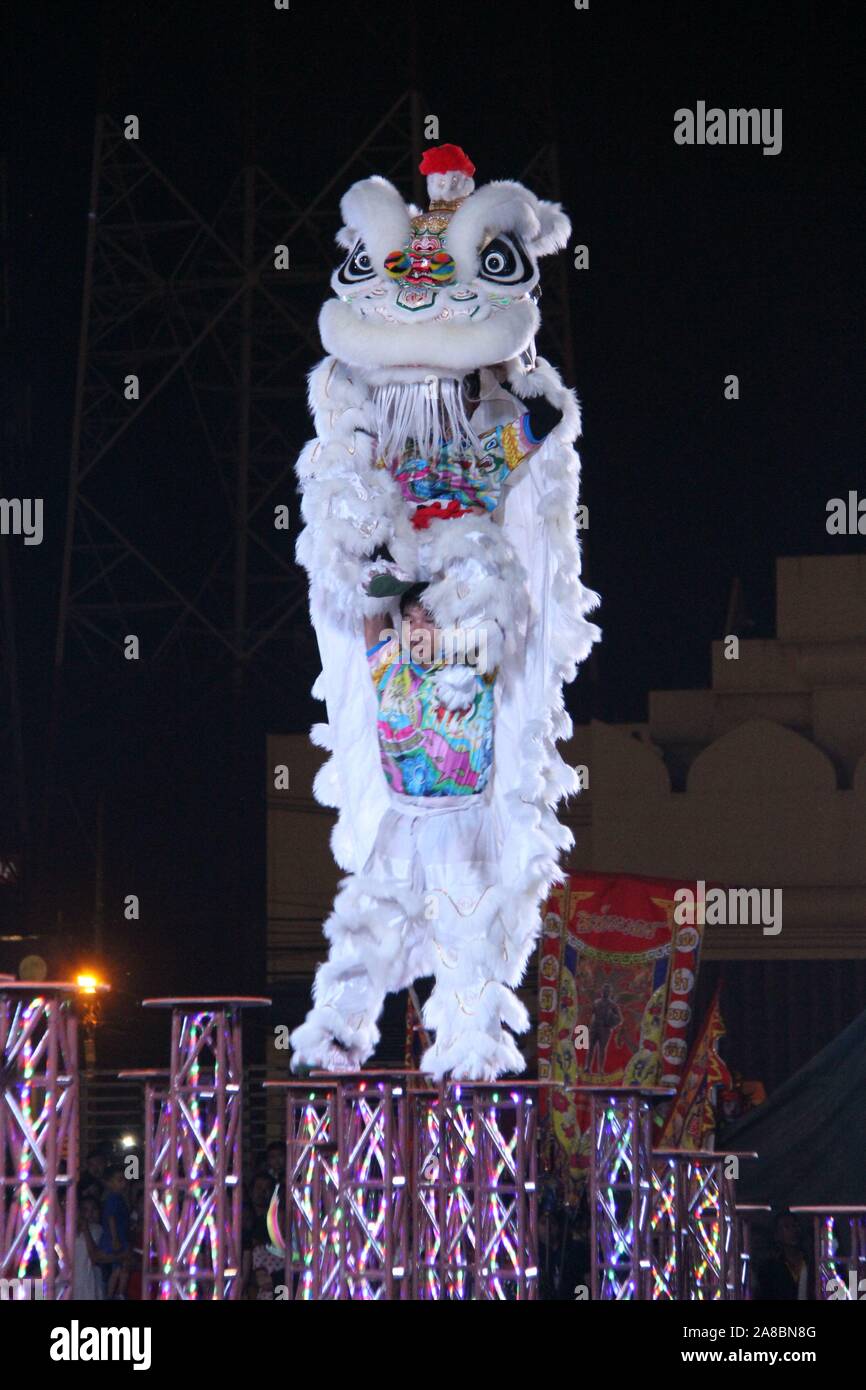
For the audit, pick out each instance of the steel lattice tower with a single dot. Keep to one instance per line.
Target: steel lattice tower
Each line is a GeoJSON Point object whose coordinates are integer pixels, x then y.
{"type": "Point", "coordinates": [220, 341]}
{"type": "Point", "coordinates": [193, 307]}
{"type": "Point", "coordinates": [38, 1135]}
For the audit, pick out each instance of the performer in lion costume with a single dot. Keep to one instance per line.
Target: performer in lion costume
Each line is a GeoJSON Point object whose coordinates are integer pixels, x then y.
{"type": "Point", "coordinates": [439, 500]}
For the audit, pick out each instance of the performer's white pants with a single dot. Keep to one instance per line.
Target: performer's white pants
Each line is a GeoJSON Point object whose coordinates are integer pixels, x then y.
{"type": "Point", "coordinates": [426, 904]}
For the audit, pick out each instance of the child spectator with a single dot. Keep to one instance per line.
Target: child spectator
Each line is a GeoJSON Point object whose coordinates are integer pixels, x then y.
{"type": "Point", "coordinates": [87, 1283]}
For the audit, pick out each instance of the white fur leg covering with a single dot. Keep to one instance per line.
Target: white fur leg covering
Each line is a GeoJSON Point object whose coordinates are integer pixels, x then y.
{"type": "Point", "coordinates": [375, 944]}
{"type": "Point", "coordinates": [471, 1009]}
{"type": "Point", "coordinates": [472, 1040]}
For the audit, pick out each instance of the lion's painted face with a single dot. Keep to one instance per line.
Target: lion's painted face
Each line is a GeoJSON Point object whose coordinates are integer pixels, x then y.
{"type": "Point", "coordinates": [420, 282]}
{"type": "Point", "coordinates": [438, 291]}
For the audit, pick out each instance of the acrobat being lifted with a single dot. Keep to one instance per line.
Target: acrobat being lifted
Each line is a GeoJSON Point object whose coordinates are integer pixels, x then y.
{"type": "Point", "coordinates": [439, 501]}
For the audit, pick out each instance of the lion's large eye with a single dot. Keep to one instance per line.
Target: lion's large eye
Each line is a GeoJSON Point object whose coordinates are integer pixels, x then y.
{"type": "Point", "coordinates": [504, 261]}
{"type": "Point", "coordinates": [357, 266]}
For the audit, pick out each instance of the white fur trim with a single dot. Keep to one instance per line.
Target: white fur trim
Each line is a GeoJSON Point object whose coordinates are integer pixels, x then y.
{"type": "Point", "coordinates": [555, 229]}
{"type": "Point", "coordinates": [453, 347]}
{"type": "Point", "coordinates": [450, 185]}
{"type": "Point", "coordinates": [455, 687]}
{"type": "Point", "coordinates": [373, 210]}
{"type": "Point", "coordinates": [504, 206]}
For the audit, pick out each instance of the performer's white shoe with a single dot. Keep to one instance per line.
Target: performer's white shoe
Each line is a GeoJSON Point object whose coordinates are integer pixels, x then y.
{"type": "Point", "coordinates": [473, 1056]}
{"type": "Point", "coordinates": [325, 1040]}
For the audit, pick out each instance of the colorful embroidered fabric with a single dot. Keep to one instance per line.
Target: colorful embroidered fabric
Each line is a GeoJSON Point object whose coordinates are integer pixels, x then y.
{"type": "Point", "coordinates": [426, 749]}
{"type": "Point", "coordinates": [473, 481]}
{"type": "Point", "coordinates": [616, 983]}
{"type": "Point", "coordinates": [691, 1121]}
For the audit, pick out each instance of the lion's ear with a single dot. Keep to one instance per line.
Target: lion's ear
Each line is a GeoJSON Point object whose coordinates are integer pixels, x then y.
{"type": "Point", "coordinates": [374, 213]}
{"type": "Point", "coordinates": [504, 206]}
{"type": "Point", "coordinates": [500, 206]}
{"type": "Point", "coordinates": [555, 228]}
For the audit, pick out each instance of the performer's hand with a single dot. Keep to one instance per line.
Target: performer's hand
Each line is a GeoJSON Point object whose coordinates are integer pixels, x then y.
{"type": "Point", "coordinates": [544, 416]}
{"type": "Point", "coordinates": [382, 577]}
{"type": "Point", "coordinates": [455, 687]}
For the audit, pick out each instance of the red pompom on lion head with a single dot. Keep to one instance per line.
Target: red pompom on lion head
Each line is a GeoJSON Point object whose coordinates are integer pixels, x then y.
{"type": "Point", "coordinates": [448, 171]}
{"type": "Point", "coordinates": [446, 159]}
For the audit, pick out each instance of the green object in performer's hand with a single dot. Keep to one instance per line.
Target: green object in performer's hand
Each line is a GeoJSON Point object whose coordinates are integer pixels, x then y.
{"type": "Point", "coordinates": [388, 586]}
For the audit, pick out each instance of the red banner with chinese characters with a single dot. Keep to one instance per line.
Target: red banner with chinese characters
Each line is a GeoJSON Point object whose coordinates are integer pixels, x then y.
{"type": "Point", "coordinates": [616, 980]}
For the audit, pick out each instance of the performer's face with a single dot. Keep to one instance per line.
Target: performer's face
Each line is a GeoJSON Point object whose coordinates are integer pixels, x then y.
{"type": "Point", "coordinates": [422, 630]}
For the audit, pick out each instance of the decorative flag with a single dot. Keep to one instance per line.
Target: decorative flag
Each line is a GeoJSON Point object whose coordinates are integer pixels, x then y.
{"type": "Point", "coordinates": [616, 978]}
{"type": "Point", "coordinates": [691, 1121]}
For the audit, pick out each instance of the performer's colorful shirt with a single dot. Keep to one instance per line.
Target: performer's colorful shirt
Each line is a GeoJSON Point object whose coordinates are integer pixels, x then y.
{"type": "Point", "coordinates": [426, 749]}
{"type": "Point", "coordinates": [473, 481]}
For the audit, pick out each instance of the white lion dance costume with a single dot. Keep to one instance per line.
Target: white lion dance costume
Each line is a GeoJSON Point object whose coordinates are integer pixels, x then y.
{"type": "Point", "coordinates": [444, 460]}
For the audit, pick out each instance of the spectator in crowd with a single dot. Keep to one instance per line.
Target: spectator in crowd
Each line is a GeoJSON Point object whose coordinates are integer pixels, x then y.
{"type": "Point", "coordinates": [276, 1162]}
{"type": "Point", "coordinates": [267, 1264]}
{"type": "Point", "coordinates": [87, 1280]}
{"type": "Point", "coordinates": [136, 1240]}
{"type": "Point", "coordinates": [260, 1260]}
{"type": "Point", "coordinates": [115, 1232]}
{"type": "Point", "coordinates": [91, 1181]}
{"type": "Point", "coordinates": [136, 1213]}
{"type": "Point", "coordinates": [785, 1276]}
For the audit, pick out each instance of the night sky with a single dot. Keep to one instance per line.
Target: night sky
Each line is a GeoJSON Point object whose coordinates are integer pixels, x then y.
{"type": "Point", "coordinates": [704, 261]}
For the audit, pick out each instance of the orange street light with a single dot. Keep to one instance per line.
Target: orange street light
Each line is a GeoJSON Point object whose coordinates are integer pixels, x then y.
{"type": "Point", "coordinates": [90, 987]}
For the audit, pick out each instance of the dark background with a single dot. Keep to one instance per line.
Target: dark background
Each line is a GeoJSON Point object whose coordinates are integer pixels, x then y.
{"type": "Point", "coordinates": [703, 262]}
